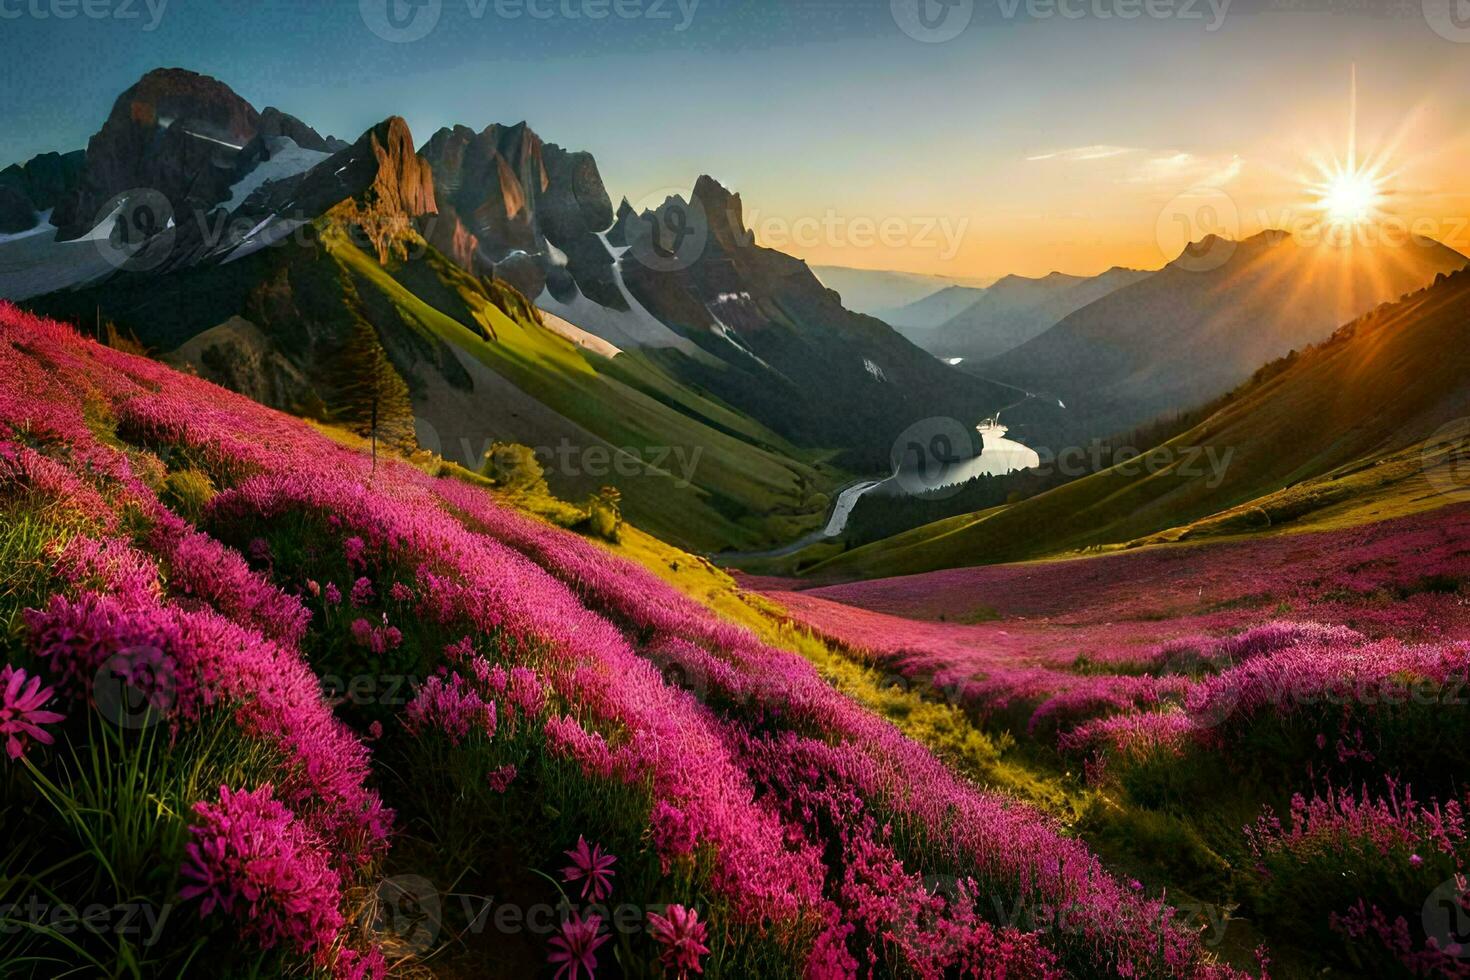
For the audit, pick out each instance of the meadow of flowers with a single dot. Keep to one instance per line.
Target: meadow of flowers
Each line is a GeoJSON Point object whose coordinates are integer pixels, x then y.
{"type": "Point", "coordinates": [272, 706]}
{"type": "Point", "coordinates": [1200, 694]}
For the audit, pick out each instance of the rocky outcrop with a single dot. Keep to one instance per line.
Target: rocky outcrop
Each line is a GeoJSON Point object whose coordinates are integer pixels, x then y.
{"type": "Point", "coordinates": [519, 209]}
{"type": "Point", "coordinates": [379, 185]}
{"type": "Point", "coordinates": [788, 352]}
{"type": "Point", "coordinates": [45, 179]}
{"type": "Point", "coordinates": [17, 213]}
{"type": "Point", "coordinates": [274, 123]}
{"type": "Point", "coordinates": [176, 133]}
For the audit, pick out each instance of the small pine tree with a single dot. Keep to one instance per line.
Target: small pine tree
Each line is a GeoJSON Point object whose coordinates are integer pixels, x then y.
{"type": "Point", "coordinates": [371, 398]}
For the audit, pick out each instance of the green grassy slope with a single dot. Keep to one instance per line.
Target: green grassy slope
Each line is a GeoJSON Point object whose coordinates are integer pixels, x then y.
{"type": "Point", "coordinates": [690, 468]}
{"type": "Point", "coordinates": [1329, 437]}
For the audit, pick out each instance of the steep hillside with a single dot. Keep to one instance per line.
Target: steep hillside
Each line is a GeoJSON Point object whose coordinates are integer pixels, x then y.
{"type": "Point", "coordinates": [305, 699]}
{"type": "Point", "coordinates": [1200, 326]}
{"type": "Point", "coordinates": [1348, 430]}
{"type": "Point", "coordinates": [784, 349]}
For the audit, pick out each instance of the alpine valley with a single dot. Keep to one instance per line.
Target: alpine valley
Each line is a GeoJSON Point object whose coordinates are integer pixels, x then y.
{"type": "Point", "coordinates": [418, 561]}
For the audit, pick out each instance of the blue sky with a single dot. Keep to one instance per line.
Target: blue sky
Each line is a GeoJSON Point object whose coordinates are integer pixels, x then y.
{"type": "Point", "coordinates": [826, 113]}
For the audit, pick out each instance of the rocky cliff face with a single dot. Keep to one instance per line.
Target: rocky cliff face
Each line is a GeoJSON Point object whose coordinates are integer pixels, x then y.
{"type": "Point", "coordinates": [176, 133]}
{"type": "Point", "coordinates": [517, 208]}
{"type": "Point", "coordinates": [787, 351]}
{"type": "Point", "coordinates": [17, 213]}
{"type": "Point", "coordinates": [39, 184]}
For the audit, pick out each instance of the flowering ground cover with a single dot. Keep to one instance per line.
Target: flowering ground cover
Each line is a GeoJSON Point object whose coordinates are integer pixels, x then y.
{"type": "Point", "coordinates": [276, 706]}
{"type": "Point", "coordinates": [1184, 696]}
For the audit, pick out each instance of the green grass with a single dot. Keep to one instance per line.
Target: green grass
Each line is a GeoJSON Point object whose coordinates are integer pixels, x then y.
{"type": "Point", "coordinates": [749, 486]}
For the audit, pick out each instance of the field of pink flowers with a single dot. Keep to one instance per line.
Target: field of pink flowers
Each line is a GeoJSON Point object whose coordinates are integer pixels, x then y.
{"type": "Point", "coordinates": [271, 707]}
{"type": "Point", "coordinates": [1205, 689]}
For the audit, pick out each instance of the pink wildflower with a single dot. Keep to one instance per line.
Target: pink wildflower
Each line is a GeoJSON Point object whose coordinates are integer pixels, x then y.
{"type": "Point", "coordinates": [576, 948]}
{"type": "Point", "coordinates": [682, 937]}
{"type": "Point", "coordinates": [362, 591]}
{"type": "Point", "coordinates": [354, 965]}
{"type": "Point", "coordinates": [453, 708]}
{"type": "Point", "coordinates": [21, 717]}
{"type": "Point", "coordinates": [333, 594]}
{"type": "Point", "coordinates": [250, 858]}
{"type": "Point", "coordinates": [500, 779]}
{"type": "Point", "coordinates": [591, 866]}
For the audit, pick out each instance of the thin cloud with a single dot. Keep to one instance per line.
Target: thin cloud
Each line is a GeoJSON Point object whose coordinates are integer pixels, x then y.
{"type": "Point", "coordinates": [1188, 168]}
{"type": "Point", "coordinates": [1098, 151]}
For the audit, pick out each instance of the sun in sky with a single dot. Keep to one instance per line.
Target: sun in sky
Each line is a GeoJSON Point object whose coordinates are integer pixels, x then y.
{"type": "Point", "coordinates": [1350, 196]}
{"type": "Point", "coordinates": [1348, 192]}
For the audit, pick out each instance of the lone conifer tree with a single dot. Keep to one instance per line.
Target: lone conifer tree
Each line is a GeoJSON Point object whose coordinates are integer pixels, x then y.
{"type": "Point", "coordinates": [372, 399]}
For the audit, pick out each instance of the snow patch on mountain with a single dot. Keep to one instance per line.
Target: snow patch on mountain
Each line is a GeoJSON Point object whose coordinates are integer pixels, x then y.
{"type": "Point", "coordinates": [287, 159]}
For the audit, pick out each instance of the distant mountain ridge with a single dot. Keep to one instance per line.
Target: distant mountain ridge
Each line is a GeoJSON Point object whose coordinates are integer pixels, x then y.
{"type": "Point", "coordinates": [874, 292]}
{"type": "Point", "coordinates": [1366, 424]}
{"type": "Point", "coordinates": [1192, 331]}
{"type": "Point", "coordinates": [968, 324]}
{"type": "Point", "coordinates": [1016, 309]}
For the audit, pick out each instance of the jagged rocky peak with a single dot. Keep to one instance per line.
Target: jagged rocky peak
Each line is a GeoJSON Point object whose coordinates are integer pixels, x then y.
{"type": "Point", "coordinates": [401, 178]}
{"type": "Point", "coordinates": [515, 207]}
{"type": "Point", "coordinates": [275, 123]}
{"type": "Point", "coordinates": [44, 180]}
{"type": "Point", "coordinates": [174, 132]}
{"type": "Point", "coordinates": [723, 210]}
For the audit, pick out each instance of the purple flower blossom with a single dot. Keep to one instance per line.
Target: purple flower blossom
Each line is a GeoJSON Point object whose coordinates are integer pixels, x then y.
{"type": "Point", "coordinates": [22, 701]}
{"type": "Point", "coordinates": [453, 708]}
{"type": "Point", "coordinates": [362, 592]}
{"type": "Point", "coordinates": [682, 937]}
{"type": "Point", "coordinates": [500, 779]}
{"type": "Point", "coordinates": [591, 866]}
{"type": "Point", "coordinates": [575, 949]}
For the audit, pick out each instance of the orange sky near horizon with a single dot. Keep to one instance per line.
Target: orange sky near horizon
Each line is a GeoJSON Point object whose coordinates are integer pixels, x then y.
{"type": "Point", "coordinates": [1083, 209]}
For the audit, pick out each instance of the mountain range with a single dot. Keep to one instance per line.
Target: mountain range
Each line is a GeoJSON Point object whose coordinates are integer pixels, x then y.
{"type": "Point", "coordinates": [1015, 309]}
{"type": "Point", "coordinates": [1366, 425]}
{"type": "Point", "coordinates": [1179, 337]}
{"type": "Point", "coordinates": [492, 275]}
{"type": "Point", "coordinates": [876, 292]}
